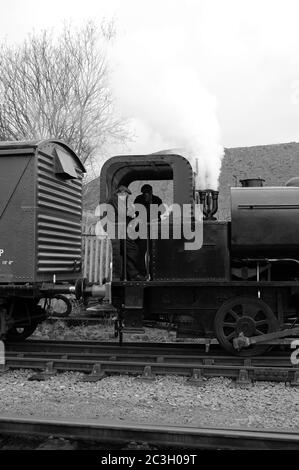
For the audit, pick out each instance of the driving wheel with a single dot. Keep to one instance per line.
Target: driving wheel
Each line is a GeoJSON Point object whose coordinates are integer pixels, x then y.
{"type": "Point", "coordinates": [248, 315]}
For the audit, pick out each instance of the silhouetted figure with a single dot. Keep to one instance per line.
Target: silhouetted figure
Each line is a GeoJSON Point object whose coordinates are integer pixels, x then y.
{"type": "Point", "coordinates": [148, 199]}
{"type": "Point", "coordinates": [130, 251]}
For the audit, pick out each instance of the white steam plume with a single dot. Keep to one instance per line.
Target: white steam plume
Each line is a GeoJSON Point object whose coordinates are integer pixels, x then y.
{"type": "Point", "coordinates": [157, 83]}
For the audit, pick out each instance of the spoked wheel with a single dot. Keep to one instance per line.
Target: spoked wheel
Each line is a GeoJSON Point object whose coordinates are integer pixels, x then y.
{"type": "Point", "coordinates": [248, 315]}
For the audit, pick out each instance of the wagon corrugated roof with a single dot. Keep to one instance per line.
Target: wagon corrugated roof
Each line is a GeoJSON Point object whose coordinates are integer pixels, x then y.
{"type": "Point", "coordinates": [31, 146]}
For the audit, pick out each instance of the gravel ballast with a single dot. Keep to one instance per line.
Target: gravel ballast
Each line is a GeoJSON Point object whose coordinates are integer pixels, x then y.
{"type": "Point", "coordinates": [104, 331]}
{"type": "Point", "coordinates": [166, 400]}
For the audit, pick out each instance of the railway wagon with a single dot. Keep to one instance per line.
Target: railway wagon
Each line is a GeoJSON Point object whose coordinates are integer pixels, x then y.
{"type": "Point", "coordinates": [40, 229]}
{"type": "Point", "coordinates": [244, 280]}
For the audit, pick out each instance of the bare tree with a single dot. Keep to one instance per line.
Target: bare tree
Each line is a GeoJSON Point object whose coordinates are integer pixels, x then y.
{"type": "Point", "coordinates": [60, 88]}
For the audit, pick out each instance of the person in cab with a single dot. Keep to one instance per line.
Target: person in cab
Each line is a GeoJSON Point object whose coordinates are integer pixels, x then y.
{"type": "Point", "coordinates": [148, 200]}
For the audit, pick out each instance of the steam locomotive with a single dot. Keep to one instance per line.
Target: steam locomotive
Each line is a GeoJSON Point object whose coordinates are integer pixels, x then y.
{"type": "Point", "coordinates": [243, 283]}
{"type": "Point", "coordinates": [241, 286]}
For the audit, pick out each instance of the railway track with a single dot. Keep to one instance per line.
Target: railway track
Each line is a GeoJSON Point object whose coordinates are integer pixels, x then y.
{"type": "Point", "coordinates": [159, 436]}
{"type": "Point", "coordinates": [146, 360]}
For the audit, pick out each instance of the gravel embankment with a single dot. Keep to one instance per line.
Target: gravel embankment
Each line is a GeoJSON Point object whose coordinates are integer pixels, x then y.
{"type": "Point", "coordinates": [167, 400]}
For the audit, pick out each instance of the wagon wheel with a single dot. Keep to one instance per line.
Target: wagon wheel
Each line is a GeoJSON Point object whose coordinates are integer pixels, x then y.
{"type": "Point", "coordinates": [248, 315]}
{"type": "Point", "coordinates": [26, 315]}
{"type": "Point", "coordinates": [19, 333]}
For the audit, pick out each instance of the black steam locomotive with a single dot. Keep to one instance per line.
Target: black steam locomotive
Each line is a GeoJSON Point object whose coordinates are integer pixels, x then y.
{"type": "Point", "coordinates": [242, 283]}
{"type": "Point", "coordinates": [241, 286]}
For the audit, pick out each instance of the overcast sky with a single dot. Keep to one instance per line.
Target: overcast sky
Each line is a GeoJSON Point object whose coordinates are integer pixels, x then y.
{"type": "Point", "coordinates": [245, 51]}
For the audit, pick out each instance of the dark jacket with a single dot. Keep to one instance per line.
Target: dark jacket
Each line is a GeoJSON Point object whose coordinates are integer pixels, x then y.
{"type": "Point", "coordinates": [155, 200]}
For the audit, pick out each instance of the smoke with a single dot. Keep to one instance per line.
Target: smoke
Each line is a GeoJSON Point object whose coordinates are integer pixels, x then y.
{"type": "Point", "coordinates": [156, 79]}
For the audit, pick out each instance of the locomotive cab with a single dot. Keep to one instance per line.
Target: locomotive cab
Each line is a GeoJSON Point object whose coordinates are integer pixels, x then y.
{"type": "Point", "coordinates": [184, 250]}
{"type": "Point", "coordinates": [126, 170]}
{"type": "Point", "coordinates": [188, 253]}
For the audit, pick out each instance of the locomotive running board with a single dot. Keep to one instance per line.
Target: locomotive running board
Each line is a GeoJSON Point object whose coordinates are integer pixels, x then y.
{"type": "Point", "coordinates": [243, 341]}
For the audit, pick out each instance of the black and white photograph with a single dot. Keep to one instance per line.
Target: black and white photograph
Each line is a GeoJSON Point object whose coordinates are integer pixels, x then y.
{"type": "Point", "coordinates": [149, 230]}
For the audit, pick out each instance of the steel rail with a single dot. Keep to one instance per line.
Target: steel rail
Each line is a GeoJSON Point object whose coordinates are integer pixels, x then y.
{"type": "Point", "coordinates": [196, 372]}
{"type": "Point", "coordinates": [119, 355]}
{"type": "Point", "coordinates": [162, 436]}
{"type": "Point", "coordinates": [140, 352]}
{"type": "Point", "coordinates": [100, 359]}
